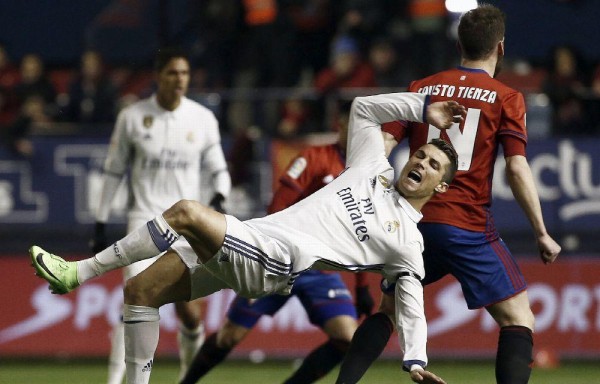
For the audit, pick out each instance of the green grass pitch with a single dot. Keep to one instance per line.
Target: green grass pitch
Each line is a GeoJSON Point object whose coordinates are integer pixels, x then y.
{"type": "Point", "coordinates": [231, 372]}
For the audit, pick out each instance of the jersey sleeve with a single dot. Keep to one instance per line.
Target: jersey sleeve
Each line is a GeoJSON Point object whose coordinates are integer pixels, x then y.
{"type": "Point", "coordinates": [213, 158]}
{"type": "Point", "coordinates": [396, 129]}
{"type": "Point", "coordinates": [513, 117]}
{"type": "Point", "coordinates": [119, 149]}
{"type": "Point", "coordinates": [410, 321]}
{"type": "Point", "coordinates": [115, 166]}
{"type": "Point", "coordinates": [295, 180]}
{"type": "Point", "coordinates": [365, 143]}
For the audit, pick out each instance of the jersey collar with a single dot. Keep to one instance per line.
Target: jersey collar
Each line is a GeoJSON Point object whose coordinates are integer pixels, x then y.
{"type": "Point", "coordinates": [477, 70]}
{"type": "Point", "coordinates": [158, 106]}
{"type": "Point", "coordinates": [414, 215]}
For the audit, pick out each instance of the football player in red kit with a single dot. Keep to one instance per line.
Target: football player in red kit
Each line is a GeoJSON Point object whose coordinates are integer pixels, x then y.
{"type": "Point", "coordinates": [457, 226]}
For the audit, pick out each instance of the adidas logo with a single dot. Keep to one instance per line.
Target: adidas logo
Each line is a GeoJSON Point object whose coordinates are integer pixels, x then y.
{"type": "Point", "coordinates": [169, 236]}
{"type": "Point", "coordinates": [147, 367]}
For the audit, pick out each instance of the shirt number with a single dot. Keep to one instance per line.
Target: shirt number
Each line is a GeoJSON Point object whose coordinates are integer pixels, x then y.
{"type": "Point", "coordinates": [464, 141]}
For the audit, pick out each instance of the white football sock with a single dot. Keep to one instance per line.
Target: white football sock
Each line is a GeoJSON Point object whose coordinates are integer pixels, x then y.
{"type": "Point", "coordinates": [116, 360]}
{"type": "Point", "coordinates": [190, 341]}
{"type": "Point", "coordinates": [141, 339]}
{"type": "Point", "coordinates": [145, 242]}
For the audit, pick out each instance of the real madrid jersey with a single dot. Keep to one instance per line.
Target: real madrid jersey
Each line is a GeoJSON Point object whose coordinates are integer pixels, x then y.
{"type": "Point", "coordinates": [163, 151]}
{"type": "Point", "coordinates": [359, 222]}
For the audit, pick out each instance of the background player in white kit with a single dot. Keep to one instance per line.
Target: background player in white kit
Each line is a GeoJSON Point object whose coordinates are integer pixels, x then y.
{"type": "Point", "coordinates": [359, 222]}
{"type": "Point", "coordinates": [163, 143]}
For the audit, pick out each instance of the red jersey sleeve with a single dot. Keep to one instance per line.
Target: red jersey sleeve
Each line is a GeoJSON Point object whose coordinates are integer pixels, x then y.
{"type": "Point", "coordinates": [396, 129]}
{"type": "Point", "coordinates": [513, 117]}
{"type": "Point", "coordinates": [294, 181]}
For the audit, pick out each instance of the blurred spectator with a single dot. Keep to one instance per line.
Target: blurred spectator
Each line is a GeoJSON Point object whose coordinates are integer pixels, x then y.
{"type": "Point", "coordinates": [363, 19]}
{"type": "Point", "coordinates": [9, 76]}
{"type": "Point", "coordinates": [297, 118]}
{"type": "Point", "coordinates": [565, 85]}
{"type": "Point", "coordinates": [267, 46]}
{"type": "Point", "coordinates": [389, 72]}
{"type": "Point", "coordinates": [17, 134]}
{"type": "Point", "coordinates": [315, 26]}
{"type": "Point", "coordinates": [346, 70]}
{"type": "Point", "coordinates": [92, 96]}
{"type": "Point", "coordinates": [429, 42]}
{"type": "Point", "coordinates": [34, 81]}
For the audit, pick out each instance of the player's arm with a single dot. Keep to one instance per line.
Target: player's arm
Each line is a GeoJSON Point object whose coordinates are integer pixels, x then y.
{"type": "Point", "coordinates": [297, 177]}
{"type": "Point", "coordinates": [214, 163]}
{"type": "Point", "coordinates": [368, 113]}
{"type": "Point", "coordinates": [520, 179]}
{"type": "Point", "coordinates": [412, 328]}
{"type": "Point", "coordinates": [518, 173]}
{"type": "Point", "coordinates": [115, 166]}
{"type": "Point", "coordinates": [393, 133]}
{"type": "Point", "coordinates": [285, 196]}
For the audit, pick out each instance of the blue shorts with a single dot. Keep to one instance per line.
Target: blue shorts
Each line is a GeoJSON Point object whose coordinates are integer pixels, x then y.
{"type": "Point", "coordinates": [323, 296]}
{"type": "Point", "coordinates": [482, 264]}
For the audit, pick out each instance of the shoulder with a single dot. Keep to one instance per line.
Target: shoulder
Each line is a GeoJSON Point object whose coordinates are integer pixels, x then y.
{"type": "Point", "coordinates": [195, 107]}
{"type": "Point", "coordinates": [140, 106]}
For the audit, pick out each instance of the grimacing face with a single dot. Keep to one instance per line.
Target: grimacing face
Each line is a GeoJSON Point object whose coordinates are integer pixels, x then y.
{"type": "Point", "coordinates": [174, 79]}
{"type": "Point", "coordinates": [423, 173]}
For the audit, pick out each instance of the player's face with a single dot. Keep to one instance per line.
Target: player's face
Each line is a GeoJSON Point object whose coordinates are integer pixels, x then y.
{"type": "Point", "coordinates": [174, 79]}
{"type": "Point", "coordinates": [423, 173]}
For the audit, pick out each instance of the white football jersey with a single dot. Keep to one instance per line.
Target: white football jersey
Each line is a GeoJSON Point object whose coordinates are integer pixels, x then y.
{"type": "Point", "coordinates": [360, 222]}
{"type": "Point", "coordinates": [163, 151]}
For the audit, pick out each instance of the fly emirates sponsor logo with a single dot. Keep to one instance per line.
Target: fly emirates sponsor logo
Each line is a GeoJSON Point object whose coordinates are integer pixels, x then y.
{"type": "Point", "coordinates": [168, 159]}
{"type": "Point", "coordinates": [353, 207]}
{"type": "Point", "coordinates": [473, 93]}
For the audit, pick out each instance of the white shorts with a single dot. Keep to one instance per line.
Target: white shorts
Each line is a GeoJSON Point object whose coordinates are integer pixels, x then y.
{"type": "Point", "coordinates": [249, 262]}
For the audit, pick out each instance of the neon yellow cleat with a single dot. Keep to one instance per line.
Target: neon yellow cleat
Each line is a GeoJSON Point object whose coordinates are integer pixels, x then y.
{"type": "Point", "coordinates": [61, 274]}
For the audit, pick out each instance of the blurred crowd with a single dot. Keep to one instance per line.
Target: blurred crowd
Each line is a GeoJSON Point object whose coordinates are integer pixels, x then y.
{"type": "Point", "coordinates": [304, 51]}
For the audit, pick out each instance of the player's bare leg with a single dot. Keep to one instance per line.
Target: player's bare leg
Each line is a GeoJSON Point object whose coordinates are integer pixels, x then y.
{"type": "Point", "coordinates": [325, 357]}
{"type": "Point", "coordinates": [515, 343]}
{"type": "Point", "coordinates": [202, 227]}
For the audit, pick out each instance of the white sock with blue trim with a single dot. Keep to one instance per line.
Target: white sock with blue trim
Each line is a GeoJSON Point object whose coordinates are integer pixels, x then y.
{"type": "Point", "coordinates": [143, 243]}
{"type": "Point", "coordinates": [141, 340]}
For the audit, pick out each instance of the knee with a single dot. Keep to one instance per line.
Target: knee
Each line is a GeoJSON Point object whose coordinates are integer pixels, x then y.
{"type": "Point", "coordinates": [183, 214]}
{"type": "Point", "coordinates": [230, 335]}
{"type": "Point", "coordinates": [388, 307]}
{"type": "Point", "coordinates": [134, 292]}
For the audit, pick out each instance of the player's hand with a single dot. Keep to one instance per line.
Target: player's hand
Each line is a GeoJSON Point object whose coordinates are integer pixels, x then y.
{"type": "Point", "coordinates": [422, 376]}
{"type": "Point", "coordinates": [443, 114]}
{"type": "Point", "coordinates": [549, 249]}
{"type": "Point", "coordinates": [363, 301]}
{"type": "Point", "coordinates": [99, 241]}
{"type": "Point", "coordinates": [216, 203]}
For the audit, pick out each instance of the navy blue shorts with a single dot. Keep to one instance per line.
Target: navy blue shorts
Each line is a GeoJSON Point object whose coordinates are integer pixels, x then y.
{"type": "Point", "coordinates": [323, 296]}
{"type": "Point", "coordinates": [482, 264]}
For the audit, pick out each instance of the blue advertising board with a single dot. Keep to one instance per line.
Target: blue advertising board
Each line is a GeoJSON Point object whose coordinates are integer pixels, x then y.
{"type": "Point", "coordinates": [59, 185]}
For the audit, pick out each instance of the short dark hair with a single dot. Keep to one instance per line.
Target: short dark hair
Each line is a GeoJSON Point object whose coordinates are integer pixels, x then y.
{"type": "Point", "coordinates": [165, 55]}
{"type": "Point", "coordinates": [449, 150]}
{"type": "Point", "coordinates": [480, 30]}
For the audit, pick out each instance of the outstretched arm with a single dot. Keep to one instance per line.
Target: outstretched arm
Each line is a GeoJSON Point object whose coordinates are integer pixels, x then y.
{"type": "Point", "coordinates": [368, 113]}
{"type": "Point", "coordinates": [522, 185]}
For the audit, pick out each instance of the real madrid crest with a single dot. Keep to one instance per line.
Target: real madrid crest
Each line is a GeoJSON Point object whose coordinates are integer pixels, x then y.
{"type": "Point", "coordinates": [391, 226]}
{"type": "Point", "coordinates": [384, 181]}
{"type": "Point", "coordinates": [148, 120]}
{"type": "Point", "coordinates": [190, 137]}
